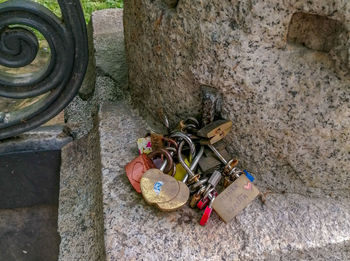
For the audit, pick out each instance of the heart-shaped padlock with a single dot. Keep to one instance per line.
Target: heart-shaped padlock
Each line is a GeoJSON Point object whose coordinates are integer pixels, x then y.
{"type": "Point", "coordinates": [137, 167]}
{"type": "Point", "coordinates": [164, 191]}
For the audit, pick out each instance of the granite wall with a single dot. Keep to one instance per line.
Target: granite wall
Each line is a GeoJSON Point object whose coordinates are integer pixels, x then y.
{"type": "Point", "coordinates": [284, 70]}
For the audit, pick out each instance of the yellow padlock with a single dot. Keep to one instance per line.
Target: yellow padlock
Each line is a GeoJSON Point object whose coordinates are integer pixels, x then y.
{"type": "Point", "coordinates": [180, 171]}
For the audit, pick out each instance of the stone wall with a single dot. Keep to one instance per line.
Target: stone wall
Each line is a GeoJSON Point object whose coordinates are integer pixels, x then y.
{"type": "Point", "coordinates": [282, 66]}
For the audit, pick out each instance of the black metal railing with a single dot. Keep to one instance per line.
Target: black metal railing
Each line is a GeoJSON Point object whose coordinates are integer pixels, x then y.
{"type": "Point", "coordinates": [49, 89]}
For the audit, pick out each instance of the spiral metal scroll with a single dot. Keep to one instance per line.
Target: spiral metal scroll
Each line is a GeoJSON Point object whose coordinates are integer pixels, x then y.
{"type": "Point", "coordinates": [60, 80]}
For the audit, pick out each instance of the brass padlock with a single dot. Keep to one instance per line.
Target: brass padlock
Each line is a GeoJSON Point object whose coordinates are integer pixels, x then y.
{"type": "Point", "coordinates": [235, 197]}
{"type": "Point", "coordinates": [188, 125]}
{"type": "Point", "coordinates": [163, 191]}
{"type": "Point", "coordinates": [227, 181]}
{"type": "Point", "coordinates": [153, 183]}
{"type": "Point", "coordinates": [196, 197]}
{"type": "Point", "coordinates": [158, 141]}
{"type": "Point", "coordinates": [215, 131]}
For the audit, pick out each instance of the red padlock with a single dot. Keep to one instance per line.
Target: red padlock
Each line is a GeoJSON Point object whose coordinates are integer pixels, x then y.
{"type": "Point", "coordinates": [206, 216]}
{"type": "Point", "coordinates": [138, 166]}
{"type": "Point", "coordinates": [204, 201]}
{"type": "Point", "coordinates": [207, 211]}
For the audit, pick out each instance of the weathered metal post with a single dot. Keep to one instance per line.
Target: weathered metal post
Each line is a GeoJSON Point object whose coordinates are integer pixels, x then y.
{"type": "Point", "coordinates": [58, 82]}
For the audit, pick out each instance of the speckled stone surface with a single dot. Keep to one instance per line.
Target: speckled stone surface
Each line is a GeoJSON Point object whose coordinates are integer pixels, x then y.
{"type": "Point", "coordinates": [296, 225]}
{"type": "Point", "coordinates": [288, 100]}
{"type": "Point", "coordinates": [110, 46]}
{"type": "Point", "coordinates": [80, 217]}
{"type": "Point", "coordinates": [109, 79]}
{"type": "Point", "coordinates": [287, 227]}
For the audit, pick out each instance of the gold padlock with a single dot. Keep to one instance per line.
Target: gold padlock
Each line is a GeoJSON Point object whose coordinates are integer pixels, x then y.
{"type": "Point", "coordinates": [215, 131]}
{"type": "Point", "coordinates": [163, 191]}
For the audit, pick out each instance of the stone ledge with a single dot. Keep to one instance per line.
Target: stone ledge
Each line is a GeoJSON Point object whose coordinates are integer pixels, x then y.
{"type": "Point", "coordinates": [285, 227]}
{"type": "Point", "coordinates": [80, 220]}
{"type": "Point", "coordinates": [42, 138]}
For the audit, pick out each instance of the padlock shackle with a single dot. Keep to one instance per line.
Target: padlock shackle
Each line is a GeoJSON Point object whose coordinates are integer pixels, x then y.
{"type": "Point", "coordinates": [218, 154]}
{"type": "Point", "coordinates": [169, 159]}
{"type": "Point", "coordinates": [197, 158]}
{"type": "Point", "coordinates": [183, 136]}
{"type": "Point", "coordinates": [193, 120]}
{"type": "Point", "coordinates": [165, 163]}
{"type": "Point", "coordinates": [189, 171]}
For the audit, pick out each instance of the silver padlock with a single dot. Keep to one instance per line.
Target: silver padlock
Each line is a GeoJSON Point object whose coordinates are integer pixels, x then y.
{"type": "Point", "coordinates": [215, 178]}
{"type": "Point", "coordinates": [213, 182]}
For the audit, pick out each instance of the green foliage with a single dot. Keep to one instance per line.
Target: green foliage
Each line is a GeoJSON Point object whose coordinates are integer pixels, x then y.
{"type": "Point", "coordinates": [91, 5]}
{"type": "Point", "coordinates": [88, 5]}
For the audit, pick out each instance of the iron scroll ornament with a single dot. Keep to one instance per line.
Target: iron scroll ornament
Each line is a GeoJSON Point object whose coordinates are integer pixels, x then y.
{"type": "Point", "coordinates": [56, 84]}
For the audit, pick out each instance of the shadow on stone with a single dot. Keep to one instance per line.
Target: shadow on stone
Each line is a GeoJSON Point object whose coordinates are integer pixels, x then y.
{"type": "Point", "coordinates": [315, 32]}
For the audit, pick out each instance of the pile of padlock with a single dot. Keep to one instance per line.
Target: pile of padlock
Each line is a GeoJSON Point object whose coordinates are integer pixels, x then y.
{"type": "Point", "coordinates": [191, 164]}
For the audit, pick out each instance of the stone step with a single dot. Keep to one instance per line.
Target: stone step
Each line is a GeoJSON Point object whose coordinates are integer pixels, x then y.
{"type": "Point", "coordinates": [102, 218]}
{"type": "Point", "coordinates": [285, 227]}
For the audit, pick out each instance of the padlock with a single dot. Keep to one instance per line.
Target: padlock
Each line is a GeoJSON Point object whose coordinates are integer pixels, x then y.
{"type": "Point", "coordinates": [210, 162]}
{"type": "Point", "coordinates": [190, 177]}
{"type": "Point", "coordinates": [229, 168]}
{"type": "Point", "coordinates": [227, 181]}
{"type": "Point", "coordinates": [158, 141]}
{"type": "Point", "coordinates": [154, 178]}
{"type": "Point", "coordinates": [182, 136]}
{"type": "Point", "coordinates": [169, 159]}
{"type": "Point", "coordinates": [198, 185]}
{"type": "Point", "coordinates": [180, 171]}
{"type": "Point", "coordinates": [163, 191]}
{"type": "Point", "coordinates": [234, 174]}
{"type": "Point", "coordinates": [235, 197]}
{"type": "Point", "coordinates": [144, 145]}
{"type": "Point", "coordinates": [192, 166]}
{"type": "Point", "coordinates": [189, 125]}
{"type": "Point", "coordinates": [207, 212]}
{"type": "Point", "coordinates": [212, 182]}
{"type": "Point", "coordinates": [215, 131]}
{"type": "Point", "coordinates": [172, 152]}
{"type": "Point", "coordinates": [137, 167]}
{"type": "Point", "coordinates": [196, 197]}
{"type": "Point", "coordinates": [205, 199]}
{"type": "Point", "coordinates": [221, 147]}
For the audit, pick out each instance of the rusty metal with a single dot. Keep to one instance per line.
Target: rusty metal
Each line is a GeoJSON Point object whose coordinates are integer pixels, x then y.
{"type": "Point", "coordinates": [58, 82]}
{"type": "Point", "coordinates": [212, 101]}
{"type": "Point", "coordinates": [170, 162]}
